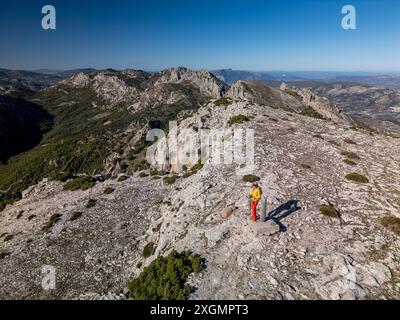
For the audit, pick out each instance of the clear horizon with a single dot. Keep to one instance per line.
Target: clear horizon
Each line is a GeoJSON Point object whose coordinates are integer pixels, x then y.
{"type": "Point", "coordinates": [261, 36]}
{"type": "Point", "coordinates": [383, 72]}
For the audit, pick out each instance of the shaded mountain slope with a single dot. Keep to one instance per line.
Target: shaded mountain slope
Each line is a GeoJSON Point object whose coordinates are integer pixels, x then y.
{"type": "Point", "coordinates": [22, 125]}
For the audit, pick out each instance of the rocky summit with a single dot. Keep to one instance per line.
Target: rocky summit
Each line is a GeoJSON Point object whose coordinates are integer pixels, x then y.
{"type": "Point", "coordinates": [332, 189]}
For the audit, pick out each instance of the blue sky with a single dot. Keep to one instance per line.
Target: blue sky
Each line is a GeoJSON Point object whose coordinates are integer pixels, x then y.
{"type": "Point", "coordinates": [288, 35]}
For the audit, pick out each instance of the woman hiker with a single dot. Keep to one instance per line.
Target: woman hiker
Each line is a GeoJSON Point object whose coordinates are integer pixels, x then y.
{"type": "Point", "coordinates": [255, 197]}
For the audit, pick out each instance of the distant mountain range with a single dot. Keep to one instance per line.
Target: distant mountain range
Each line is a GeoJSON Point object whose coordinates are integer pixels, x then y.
{"type": "Point", "coordinates": [369, 78]}
{"type": "Point", "coordinates": [20, 82]}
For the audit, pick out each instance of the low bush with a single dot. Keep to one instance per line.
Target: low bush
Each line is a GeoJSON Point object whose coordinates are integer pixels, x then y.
{"type": "Point", "coordinates": [81, 183]}
{"type": "Point", "coordinates": [75, 216]}
{"type": "Point", "coordinates": [52, 221]}
{"type": "Point", "coordinates": [165, 278]}
{"type": "Point", "coordinates": [251, 178]}
{"type": "Point", "coordinates": [197, 167]}
{"type": "Point", "coordinates": [109, 190]}
{"type": "Point", "coordinates": [187, 174]}
{"type": "Point", "coordinates": [310, 112]}
{"type": "Point", "coordinates": [91, 203]}
{"type": "Point", "coordinates": [148, 250]}
{"type": "Point", "coordinates": [356, 177]}
{"type": "Point", "coordinates": [328, 211]}
{"type": "Point", "coordinates": [123, 166]}
{"type": "Point", "coordinates": [349, 162]}
{"type": "Point", "coordinates": [224, 101]}
{"type": "Point", "coordinates": [391, 223]}
{"type": "Point", "coordinates": [169, 180]}
{"type": "Point", "coordinates": [237, 119]}
{"type": "Point", "coordinates": [350, 155]}
{"type": "Point", "coordinates": [157, 173]}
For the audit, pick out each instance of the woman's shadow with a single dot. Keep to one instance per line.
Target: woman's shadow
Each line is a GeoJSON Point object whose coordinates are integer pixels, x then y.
{"type": "Point", "coordinates": [282, 212]}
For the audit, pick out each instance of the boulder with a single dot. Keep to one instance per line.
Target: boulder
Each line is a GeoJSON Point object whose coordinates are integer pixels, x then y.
{"type": "Point", "coordinates": [226, 212]}
{"type": "Point", "coordinates": [267, 228]}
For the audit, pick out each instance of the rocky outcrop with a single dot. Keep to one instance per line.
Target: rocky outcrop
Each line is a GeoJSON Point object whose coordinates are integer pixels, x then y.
{"type": "Point", "coordinates": [136, 90]}
{"type": "Point", "coordinates": [208, 84]}
{"type": "Point", "coordinates": [320, 104]}
{"type": "Point", "coordinates": [287, 98]}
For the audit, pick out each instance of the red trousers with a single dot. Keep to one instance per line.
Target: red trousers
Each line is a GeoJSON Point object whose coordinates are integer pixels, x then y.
{"type": "Point", "coordinates": [254, 204]}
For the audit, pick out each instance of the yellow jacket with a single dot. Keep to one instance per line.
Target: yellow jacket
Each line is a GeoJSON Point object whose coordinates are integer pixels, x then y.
{"type": "Point", "coordinates": [255, 194]}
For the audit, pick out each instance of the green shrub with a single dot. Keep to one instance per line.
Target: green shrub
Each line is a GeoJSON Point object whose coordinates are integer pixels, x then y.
{"type": "Point", "coordinates": [349, 162]}
{"type": "Point", "coordinates": [197, 167]}
{"type": "Point", "coordinates": [350, 155]}
{"type": "Point", "coordinates": [328, 211]}
{"type": "Point", "coordinates": [310, 112]}
{"type": "Point", "coordinates": [224, 101]}
{"type": "Point", "coordinates": [187, 174]}
{"type": "Point", "coordinates": [81, 183]}
{"type": "Point", "coordinates": [165, 278]}
{"type": "Point", "coordinates": [140, 164]}
{"type": "Point", "coordinates": [130, 155]}
{"type": "Point", "coordinates": [148, 250]}
{"type": "Point", "coordinates": [356, 177]}
{"type": "Point", "coordinates": [237, 119]}
{"type": "Point", "coordinates": [123, 166]}
{"type": "Point", "coordinates": [251, 178]}
{"type": "Point", "coordinates": [91, 203]}
{"type": "Point", "coordinates": [143, 174]}
{"type": "Point", "coordinates": [157, 173]}
{"type": "Point", "coordinates": [52, 221]}
{"type": "Point", "coordinates": [109, 190]}
{"type": "Point", "coordinates": [75, 216]}
{"type": "Point", "coordinates": [169, 180]}
{"type": "Point", "coordinates": [391, 223]}
{"type": "Point", "coordinates": [122, 178]}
